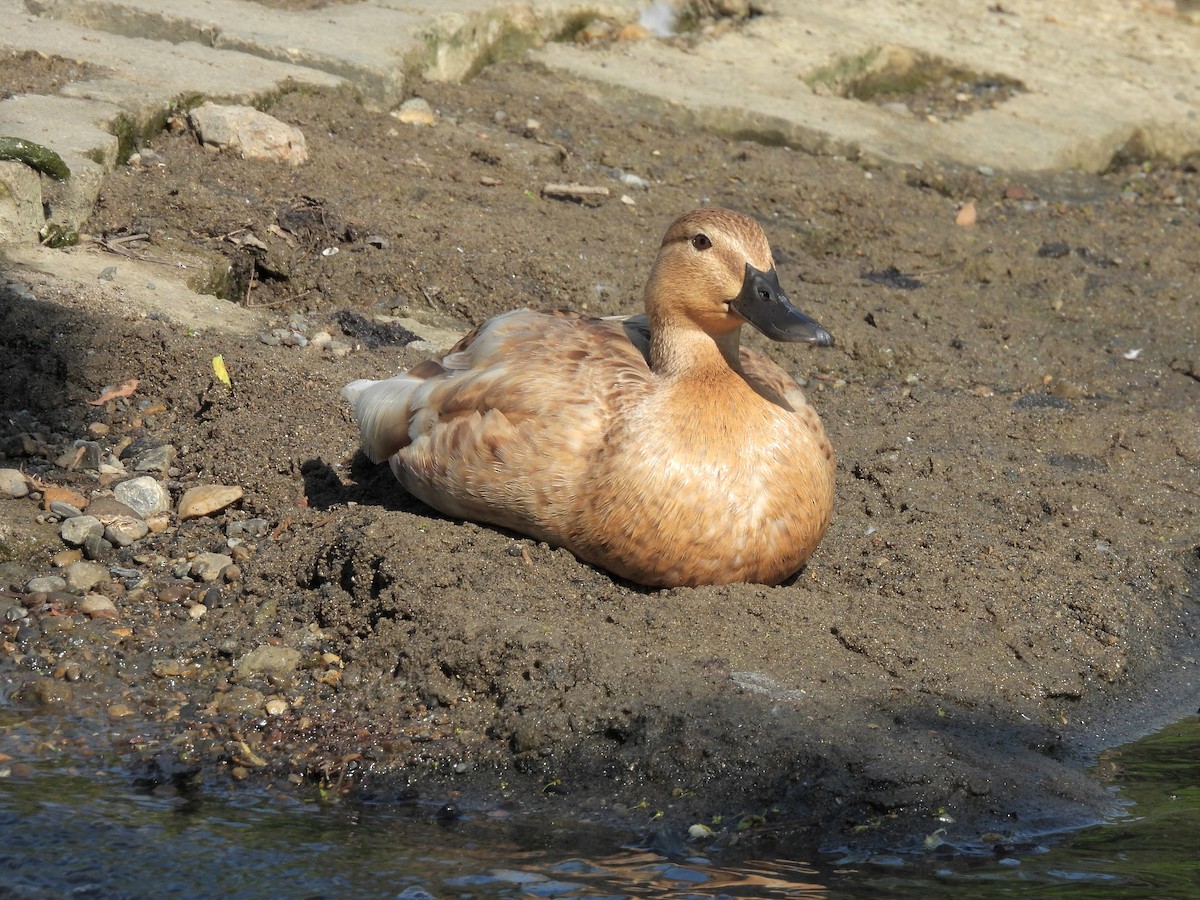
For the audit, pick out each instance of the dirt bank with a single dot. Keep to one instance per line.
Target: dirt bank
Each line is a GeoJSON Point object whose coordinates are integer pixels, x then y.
{"type": "Point", "coordinates": [1008, 585]}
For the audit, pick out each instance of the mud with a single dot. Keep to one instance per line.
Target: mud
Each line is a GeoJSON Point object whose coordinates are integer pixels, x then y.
{"type": "Point", "coordinates": [1008, 586]}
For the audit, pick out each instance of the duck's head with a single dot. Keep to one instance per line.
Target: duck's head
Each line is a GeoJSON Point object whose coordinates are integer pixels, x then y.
{"type": "Point", "coordinates": [715, 270]}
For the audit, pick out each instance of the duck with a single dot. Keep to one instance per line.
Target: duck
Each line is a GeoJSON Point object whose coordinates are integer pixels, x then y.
{"type": "Point", "coordinates": [652, 446]}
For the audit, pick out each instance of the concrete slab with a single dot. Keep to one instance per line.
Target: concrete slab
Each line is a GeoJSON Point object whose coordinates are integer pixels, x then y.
{"type": "Point", "coordinates": [1096, 76]}
{"type": "Point", "coordinates": [112, 285]}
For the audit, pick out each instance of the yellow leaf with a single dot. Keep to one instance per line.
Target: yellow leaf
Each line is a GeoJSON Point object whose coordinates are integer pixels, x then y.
{"type": "Point", "coordinates": [221, 372]}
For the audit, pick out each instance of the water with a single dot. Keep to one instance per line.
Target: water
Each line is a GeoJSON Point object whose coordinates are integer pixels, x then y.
{"type": "Point", "coordinates": [85, 832]}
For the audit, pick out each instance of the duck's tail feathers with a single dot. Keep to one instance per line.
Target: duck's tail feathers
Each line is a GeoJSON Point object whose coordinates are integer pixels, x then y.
{"type": "Point", "coordinates": [381, 409]}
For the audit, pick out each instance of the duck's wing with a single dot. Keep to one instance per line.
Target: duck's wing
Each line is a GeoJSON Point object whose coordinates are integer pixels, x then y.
{"type": "Point", "coordinates": [509, 417]}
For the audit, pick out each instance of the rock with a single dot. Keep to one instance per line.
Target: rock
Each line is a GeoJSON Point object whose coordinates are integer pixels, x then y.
{"type": "Point", "coordinates": [156, 459]}
{"type": "Point", "coordinates": [275, 707]}
{"type": "Point", "coordinates": [206, 499]}
{"type": "Point", "coordinates": [240, 700]}
{"type": "Point", "coordinates": [77, 530]}
{"type": "Point", "coordinates": [64, 510]}
{"type": "Point", "coordinates": [12, 483]}
{"type": "Point", "coordinates": [45, 584]}
{"type": "Point", "coordinates": [254, 134]}
{"type": "Point", "coordinates": [97, 606]}
{"type": "Point", "coordinates": [84, 575]}
{"type": "Point", "coordinates": [208, 566]}
{"type": "Point", "coordinates": [269, 659]}
{"type": "Point", "coordinates": [107, 509]}
{"type": "Point", "coordinates": [95, 546]}
{"type": "Point", "coordinates": [247, 528]}
{"type": "Point", "coordinates": [415, 112]}
{"type": "Point", "coordinates": [64, 558]}
{"type": "Point", "coordinates": [49, 692]}
{"type": "Point", "coordinates": [56, 494]}
{"type": "Point", "coordinates": [125, 530]}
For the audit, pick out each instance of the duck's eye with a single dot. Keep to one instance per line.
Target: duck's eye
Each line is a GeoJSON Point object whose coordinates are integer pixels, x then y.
{"type": "Point", "coordinates": [701, 242]}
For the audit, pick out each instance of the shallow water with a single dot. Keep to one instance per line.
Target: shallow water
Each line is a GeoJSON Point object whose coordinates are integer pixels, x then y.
{"type": "Point", "coordinates": [88, 833]}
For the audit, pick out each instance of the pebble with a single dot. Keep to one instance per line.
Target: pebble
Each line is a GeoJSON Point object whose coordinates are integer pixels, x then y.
{"type": "Point", "coordinates": [416, 111]}
{"type": "Point", "coordinates": [123, 531]}
{"type": "Point", "coordinates": [158, 522]}
{"type": "Point", "coordinates": [157, 459]}
{"type": "Point", "coordinates": [107, 508]}
{"type": "Point", "coordinates": [84, 575]}
{"type": "Point", "coordinates": [247, 528]}
{"type": "Point", "coordinates": [12, 483]}
{"type": "Point", "coordinates": [207, 566]}
{"type": "Point", "coordinates": [267, 658]}
{"type": "Point", "coordinates": [94, 545]}
{"type": "Point", "coordinates": [77, 530]}
{"type": "Point", "coordinates": [145, 495]}
{"type": "Point", "coordinates": [65, 557]}
{"type": "Point", "coordinates": [55, 494]}
{"type": "Point", "coordinates": [45, 584]}
{"type": "Point", "coordinates": [64, 510]}
{"type": "Point", "coordinates": [97, 606]}
{"type": "Point", "coordinates": [275, 707]}
{"type": "Point", "coordinates": [197, 610]}
{"type": "Point", "coordinates": [254, 134]}
{"type": "Point", "coordinates": [206, 499]}
{"type": "Point", "coordinates": [241, 700]}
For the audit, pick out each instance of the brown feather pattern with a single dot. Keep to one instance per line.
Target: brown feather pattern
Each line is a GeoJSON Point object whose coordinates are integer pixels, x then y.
{"type": "Point", "coordinates": [655, 447]}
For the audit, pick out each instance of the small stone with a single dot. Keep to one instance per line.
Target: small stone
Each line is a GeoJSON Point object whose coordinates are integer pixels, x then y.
{"type": "Point", "coordinates": [208, 566]}
{"type": "Point", "coordinates": [13, 483]}
{"type": "Point", "coordinates": [269, 659]}
{"type": "Point", "coordinates": [49, 692]}
{"type": "Point", "coordinates": [416, 111]}
{"type": "Point", "coordinates": [158, 459]}
{"type": "Point", "coordinates": [64, 510]}
{"type": "Point", "coordinates": [95, 546]}
{"type": "Point", "coordinates": [123, 531]}
{"type": "Point", "coordinates": [64, 558]}
{"type": "Point", "coordinates": [45, 584]}
{"type": "Point", "coordinates": [97, 606]}
{"type": "Point", "coordinates": [197, 610]}
{"type": "Point", "coordinates": [84, 575]}
{"type": "Point", "coordinates": [206, 499]}
{"type": "Point", "coordinates": [106, 509]}
{"type": "Point", "coordinates": [55, 494]}
{"type": "Point", "coordinates": [158, 522]}
{"type": "Point", "coordinates": [254, 134]}
{"type": "Point", "coordinates": [247, 527]}
{"type": "Point", "coordinates": [98, 429]}
{"type": "Point", "coordinates": [241, 700]}
{"type": "Point", "coordinates": [119, 711]}
{"type": "Point", "coordinates": [77, 530]}
{"type": "Point", "coordinates": [275, 707]}
{"type": "Point", "coordinates": [145, 495]}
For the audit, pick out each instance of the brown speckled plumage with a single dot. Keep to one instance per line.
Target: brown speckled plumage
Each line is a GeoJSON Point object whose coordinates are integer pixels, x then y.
{"type": "Point", "coordinates": [653, 447]}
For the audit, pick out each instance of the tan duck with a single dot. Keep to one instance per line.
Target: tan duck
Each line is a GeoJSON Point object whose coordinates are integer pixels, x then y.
{"type": "Point", "coordinates": [654, 447]}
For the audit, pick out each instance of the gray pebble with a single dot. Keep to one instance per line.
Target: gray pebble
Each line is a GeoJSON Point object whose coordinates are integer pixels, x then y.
{"type": "Point", "coordinates": [12, 483]}
{"type": "Point", "coordinates": [84, 575]}
{"type": "Point", "coordinates": [208, 566]}
{"type": "Point", "coordinates": [45, 584]}
{"type": "Point", "coordinates": [145, 495]}
{"type": "Point", "coordinates": [65, 510]}
{"type": "Point", "coordinates": [247, 528]}
{"type": "Point", "coordinates": [158, 459]}
{"type": "Point", "coordinates": [76, 530]}
{"type": "Point", "coordinates": [95, 547]}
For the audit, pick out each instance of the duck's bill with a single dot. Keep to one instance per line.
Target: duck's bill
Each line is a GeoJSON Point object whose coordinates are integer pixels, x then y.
{"type": "Point", "coordinates": [764, 305]}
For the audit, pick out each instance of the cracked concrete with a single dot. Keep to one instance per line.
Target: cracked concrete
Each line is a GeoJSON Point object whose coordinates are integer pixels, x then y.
{"type": "Point", "coordinates": [1094, 79]}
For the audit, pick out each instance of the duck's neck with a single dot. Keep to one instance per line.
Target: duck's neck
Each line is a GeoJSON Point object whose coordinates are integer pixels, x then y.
{"type": "Point", "coordinates": [681, 351]}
